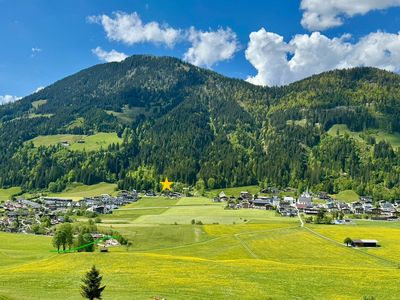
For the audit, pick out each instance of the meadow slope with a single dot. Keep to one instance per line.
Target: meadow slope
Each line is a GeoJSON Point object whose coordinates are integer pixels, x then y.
{"type": "Point", "coordinates": [235, 254]}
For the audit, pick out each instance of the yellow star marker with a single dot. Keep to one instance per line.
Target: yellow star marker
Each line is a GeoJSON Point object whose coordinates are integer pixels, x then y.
{"type": "Point", "coordinates": [166, 185]}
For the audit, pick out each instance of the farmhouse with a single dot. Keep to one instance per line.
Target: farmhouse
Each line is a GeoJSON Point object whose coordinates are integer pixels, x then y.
{"type": "Point", "coordinates": [364, 243]}
{"type": "Point", "coordinates": [357, 207]}
{"type": "Point", "coordinates": [64, 144]}
{"type": "Point", "coordinates": [263, 202]}
{"type": "Point", "coordinates": [246, 196]}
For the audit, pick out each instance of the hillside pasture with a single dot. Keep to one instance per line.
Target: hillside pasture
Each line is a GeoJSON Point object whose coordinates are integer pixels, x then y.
{"type": "Point", "coordinates": [379, 135]}
{"type": "Point", "coordinates": [78, 191]}
{"type": "Point", "coordinates": [89, 142]}
{"type": "Point", "coordinates": [6, 194]}
{"type": "Point", "coordinates": [346, 196]}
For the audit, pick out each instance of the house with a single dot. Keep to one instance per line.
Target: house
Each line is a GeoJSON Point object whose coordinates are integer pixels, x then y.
{"type": "Point", "coordinates": [376, 211]}
{"type": "Point", "coordinates": [364, 243]}
{"type": "Point", "coordinates": [64, 144]}
{"type": "Point", "coordinates": [300, 207]}
{"type": "Point", "coordinates": [332, 206]}
{"type": "Point", "coordinates": [305, 198]}
{"type": "Point", "coordinates": [323, 195]}
{"type": "Point", "coordinates": [216, 199]}
{"type": "Point", "coordinates": [357, 207]}
{"type": "Point", "coordinates": [263, 202]}
{"type": "Point", "coordinates": [345, 208]}
{"type": "Point", "coordinates": [366, 199]}
{"type": "Point", "coordinates": [289, 199]}
{"type": "Point", "coordinates": [246, 204]}
{"type": "Point", "coordinates": [150, 193]}
{"type": "Point", "coordinates": [246, 195]}
{"type": "Point", "coordinates": [311, 210]}
{"type": "Point", "coordinates": [223, 197]}
{"type": "Point", "coordinates": [387, 207]}
{"type": "Point", "coordinates": [275, 201]}
{"type": "Point", "coordinates": [368, 207]}
{"type": "Point", "coordinates": [232, 205]}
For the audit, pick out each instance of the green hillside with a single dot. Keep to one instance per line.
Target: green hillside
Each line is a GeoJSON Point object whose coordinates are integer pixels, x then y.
{"type": "Point", "coordinates": [149, 117]}
{"type": "Point", "coordinates": [264, 256]}
{"type": "Point", "coordinates": [378, 135]}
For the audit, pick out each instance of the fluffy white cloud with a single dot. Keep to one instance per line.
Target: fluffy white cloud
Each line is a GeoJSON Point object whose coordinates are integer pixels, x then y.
{"type": "Point", "coordinates": [324, 14]}
{"type": "Point", "coordinates": [210, 47]}
{"type": "Point", "coordinates": [278, 62]}
{"type": "Point", "coordinates": [207, 47]}
{"type": "Point", "coordinates": [129, 29]}
{"type": "Point", "coordinates": [8, 99]}
{"type": "Point", "coordinates": [109, 56]}
{"type": "Point", "coordinates": [267, 52]}
{"type": "Point", "coordinates": [35, 51]}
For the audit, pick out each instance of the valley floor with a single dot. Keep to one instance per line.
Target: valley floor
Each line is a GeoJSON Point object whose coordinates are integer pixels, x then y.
{"type": "Point", "coordinates": [236, 254]}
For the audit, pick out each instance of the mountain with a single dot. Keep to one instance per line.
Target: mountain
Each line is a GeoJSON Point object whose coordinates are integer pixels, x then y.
{"type": "Point", "coordinates": [193, 125]}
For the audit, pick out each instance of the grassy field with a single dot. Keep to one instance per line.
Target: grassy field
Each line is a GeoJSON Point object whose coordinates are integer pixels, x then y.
{"type": "Point", "coordinates": [6, 194]}
{"type": "Point", "coordinates": [38, 103]}
{"type": "Point", "coordinates": [128, 115]}
{"type": "Point", "coordinates": [77, 191]}
{"type": "Point", "coordinates": [346, 196]}
{"type": "Point", "coordinates": [379, 135]}
{"type": "Point", "coordinates": [235, 254]}
{"type": "Point", "coordinates": [91, 142]}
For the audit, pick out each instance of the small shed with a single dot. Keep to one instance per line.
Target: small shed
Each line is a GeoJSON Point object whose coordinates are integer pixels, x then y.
{"type": "Point", "coordinates": [364, 243]}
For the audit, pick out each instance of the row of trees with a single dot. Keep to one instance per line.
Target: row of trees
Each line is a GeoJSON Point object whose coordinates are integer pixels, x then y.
{"type": "Point", "coordinates": [64, 236]}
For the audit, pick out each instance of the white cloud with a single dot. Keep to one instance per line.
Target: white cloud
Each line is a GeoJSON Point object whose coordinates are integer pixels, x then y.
{"type": "Point", "coordinates": [39, 89]}
{"type": "Point", "coordinates": [210, 47]}
{"type": "Point", "coordinates": [109, 56]}
{"type": "Point", "coordinates": [8, 99]}
{"type": "Point", "coordinates": [129, 29]}
{"type": "Point", "coordinates": [324, 14]}
{"type": "Point", "coordinates": [278, 62]}
{"type": "Point", "coordinates": [35, 51]}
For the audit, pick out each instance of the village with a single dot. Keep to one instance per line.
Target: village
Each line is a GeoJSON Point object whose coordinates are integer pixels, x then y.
{"type": "Point", "coordinates": [38, 215]}
{"type": "Point", "coordinates": [313, 204]}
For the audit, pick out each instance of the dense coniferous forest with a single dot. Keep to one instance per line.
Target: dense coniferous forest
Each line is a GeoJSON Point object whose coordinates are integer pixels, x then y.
{"type": "Point", "coordinates": [194, 125]}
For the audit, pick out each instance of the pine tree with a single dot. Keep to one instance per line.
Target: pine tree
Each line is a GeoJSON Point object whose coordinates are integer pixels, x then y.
{"type": "Point", "coordinates": [92, 281]}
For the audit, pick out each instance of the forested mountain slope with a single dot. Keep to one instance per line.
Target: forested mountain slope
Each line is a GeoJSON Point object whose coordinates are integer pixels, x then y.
{"type": "Point", "coordinates": [192, 124]}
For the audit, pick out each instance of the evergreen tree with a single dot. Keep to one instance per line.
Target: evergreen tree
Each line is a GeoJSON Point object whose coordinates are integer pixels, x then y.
{"type": "Point", "coordinates": [91, 284]}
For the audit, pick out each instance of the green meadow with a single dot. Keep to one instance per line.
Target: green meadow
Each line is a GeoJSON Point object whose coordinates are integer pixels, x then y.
{"type": "Point", "coordinates": [234, 254]}
{"type": "Point", "coordinates": [6, 194]}
{"type": "Point", "coordinates": [379, 135]}
{"type": "Point", "coordinates": [346, 196]}
{"type": "Point", "coordinates": [77, 191]}
{"type": "Point", "coordinates": [90, 142]}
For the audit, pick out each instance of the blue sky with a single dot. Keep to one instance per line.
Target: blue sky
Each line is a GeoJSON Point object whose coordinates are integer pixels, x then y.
{"type": "Point", "coordinates": [43, 41]}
